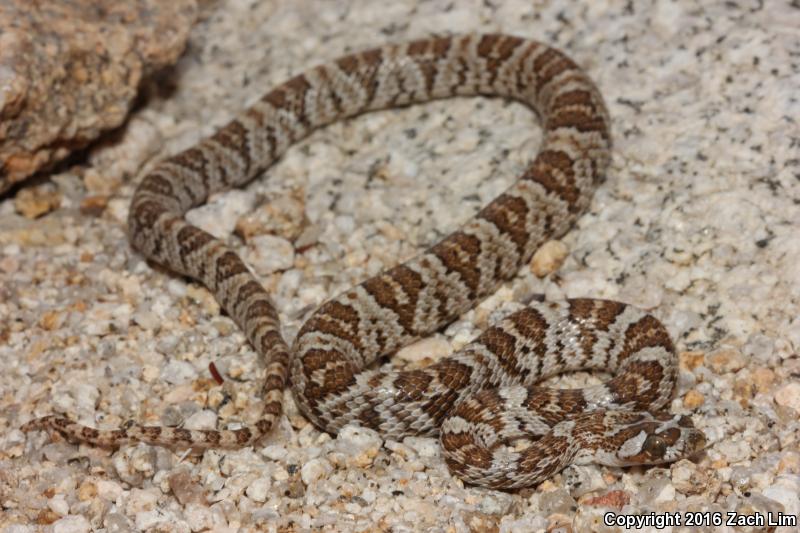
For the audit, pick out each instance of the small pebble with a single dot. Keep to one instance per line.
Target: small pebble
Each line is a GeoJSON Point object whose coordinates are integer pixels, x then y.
{"type": "Point", "coordinates": [789, 396]}
{"type": "Point", "coordinates": [359, 445]}
{"type": "Point", "coordinates": [726, 359]}
{"type": "Point", "coordinates": [71, 524]}
{"type": "Point", "coordinates": [314, 470]}
{"type": "Point", "coordinates": [431, 348]}
{"type": "Point", "coordinates": [178, 372]}
{"type": "Point", "coordinates": [199, 517]}
{"type": "Point", "coordinates": [58, 504]}
{"type": "Point", "coordinates": [548, 258]}
{"type": "Point", "coordinates": [219, 216]}
{"type": "Point", "coordinates": [33, 202]}
{"type": "Point", "coordinates": [693, 399]}
{"type": "Point", "coordinates": [268, 254]}
{"type": "Point", "coordinates": [204, 419]}
{"type": "Point", "coordinates": [258, 490]}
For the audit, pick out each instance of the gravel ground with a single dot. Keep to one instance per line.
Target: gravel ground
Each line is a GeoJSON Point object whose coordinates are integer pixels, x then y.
{"type": "Point", "coordinates": [698, 222]}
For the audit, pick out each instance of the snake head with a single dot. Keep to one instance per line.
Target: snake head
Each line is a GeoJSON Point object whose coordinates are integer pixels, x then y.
{"type": "Point", "coordinates": [649, 439]}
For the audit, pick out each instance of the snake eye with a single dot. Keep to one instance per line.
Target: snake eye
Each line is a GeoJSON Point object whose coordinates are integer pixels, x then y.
{"type": "Point", "coordinates": [654, 446]}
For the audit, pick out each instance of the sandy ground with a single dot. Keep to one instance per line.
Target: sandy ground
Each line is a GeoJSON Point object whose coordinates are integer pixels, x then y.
{"type": "Point", "coordinates": [697, 222]}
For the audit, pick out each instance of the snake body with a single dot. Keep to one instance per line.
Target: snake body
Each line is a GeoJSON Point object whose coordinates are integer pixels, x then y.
{"type": "Point", "coordinates": [496, 428]}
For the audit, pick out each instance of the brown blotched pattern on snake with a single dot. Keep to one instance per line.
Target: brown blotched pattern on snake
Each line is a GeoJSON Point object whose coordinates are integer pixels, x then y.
{"type": "Point", "coordinates": [482, 400]}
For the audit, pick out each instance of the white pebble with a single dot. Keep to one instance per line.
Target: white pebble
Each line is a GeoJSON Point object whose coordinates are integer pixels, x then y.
{"type": "Point", "coordinates": [86, 395]}
{"type": "Point", "coordinates": [19, 528]}
{"type": "Point", "coordinates": [219, 216]}
{"type": "Point", "coordinates": [71, 524]}
{"type": "Point", "coordinates": [786, 491]}
{"type": "Point", "coordinates": [359, 445]}
{"type": "Point", "coordinates": [274, 452]}
{"type": "Point", "coordinates": [429, 348]}
{"type": "Point", "coordinates": [147, 519]}
{"type": "Point", "coordinates": [789, 395]}
{"type": "Point", "coordinates": [495, 504]}
{"type": "Point", "coordinates": [58, 505]}
{"type": "Point", "coordinates": [290, 281]}
{"type": "Point", "coordinates": [176, 288]}
{"type": "Point", "coordinates": [141, 500]}
{"type": "Point", "coordinates": [280, 474]}
{"type": "Point", "coordinates": [108, 490]}
{"type": "Point", "coordinates": [424, 446]}
{"type": "Point", "coordinates": [582, 480]}
{"type": "Point", "coordinates": [177, 372]}
{"type": "Point", "coordinates": [199, 517]}
{"type": "Point", "coordinates": [345, 224]}
{"type": "Point", "coordinates": [258, 489]}
{"type": "Point", "coordinates": [734, 451]}
{"type": "Point", "coordinates": [268, 254]}
{"type": "Point", "coordinates": [146, 319]}
{"type": "Point", "coordinates": [204, 419]}
{"type": "Point", "coordinates": [368, 495]}
{"type": "Point", "coordinates": [314, 470]}
{"type": "Point", "coordinates": [666, 494]}
{"type": "Point", "coordinates": [759, 347]}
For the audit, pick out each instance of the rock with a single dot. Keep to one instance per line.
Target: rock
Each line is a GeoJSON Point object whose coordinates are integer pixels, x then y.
{"type": "Point", "coordinates": [759, 348]}
{"type": "Point", "coordinates": [71, 70]}
{"type": "Point", "coordinates": [133, 465]}
{"type": "Point", "coordinates": [87, 491]}
{"type": "Point", "coordinates": [283, 216]}
{"type": "Point", "coordinates": [258, 490]}
{"type": "Point", "coordinates": [71, 524]}
{"type": "Point", "coordinates": [763, 378]}
{"type": "Point", "coordinates": [93, 205]}
{"type": "Point", "coordinates": [358, 445]}
{"type": "Point", "coordinates": [148, 520]}
{"type": "Point", "coordinates": [426, 447]}
{"type": "Point", "coordinates": [268, 254]}
{"type": "Point", "coordinates": [187, 490]}
{"type": "Point", "coordinates": [218, 216]}
{"type": "Point", "coordinates": [734, 451]}
{"type": "Point", "coordinates": [548, 258]}
{"type": "Point", "coordinates": [693, 399]}
{"type": "Point", "coordinates": [204, 419]}
{"type": "Point", "coordinates": [314, 470]}
{"type": "Point", "coordinates": [58, 504]}
{"type": "Point", "coordinates": [656, 490]}
{"type": "Point", "coordinates": [582, 480]}
{"type": "Point", "coordinates": [789, 396]}
{"type": "Point", "coordinates": [275, 452]}
{"type": "Point", "coordinates": [726, 359]}
{"type": "Point", "coordinates": [613, 499]}
{"type": "Point", "coordinates": [120, 157]}
{"type": "Point", "coordinates": [785, 491]}
{"type": "Point", "coordinates": [116, 522]}
{"type": "Point", "coordinates": [177, 372]}
{"type": "Point", "coordinates": [36, 201]}
{"type": "Point", "coordinates": [758, 504]}
{"type": "Point", "coordinates": [690, 360]}
{"type": "Point", "coordinates": [687, 478]}
{"type": "Point", "coordinates": [556, 501]}
{"type": "Point", "coordinates": [430, 348]}
{"type": "Point", "coordinates": [199, 517]}
{"type": "Point", "coordinates": [790, 463]}
{"type": "Point", "coordinates": [109, 490]}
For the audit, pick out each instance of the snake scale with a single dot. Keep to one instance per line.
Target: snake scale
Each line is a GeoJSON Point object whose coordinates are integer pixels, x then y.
{"type": "Point", "coordinates": [495, 427]}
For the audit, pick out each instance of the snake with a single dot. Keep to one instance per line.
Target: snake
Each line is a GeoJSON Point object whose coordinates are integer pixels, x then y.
{"type": "Point", "coordinates": [497, 425]}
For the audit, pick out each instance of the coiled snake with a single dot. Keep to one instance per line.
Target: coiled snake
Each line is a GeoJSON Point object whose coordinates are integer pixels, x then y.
{"type": "Point", "coordinates": [496, 428]}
